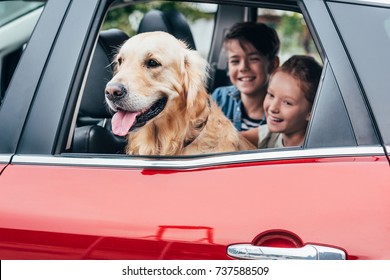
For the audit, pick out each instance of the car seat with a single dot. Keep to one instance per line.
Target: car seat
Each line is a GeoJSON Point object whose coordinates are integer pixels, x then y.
{"type": "Point", "coordinates": [92, 135]}
{"type": "Point", "coordinates": [170, 21]}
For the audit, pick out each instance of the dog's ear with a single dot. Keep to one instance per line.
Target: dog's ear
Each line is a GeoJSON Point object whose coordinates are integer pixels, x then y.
{"type": "Point", "coordinates": [195, 75]}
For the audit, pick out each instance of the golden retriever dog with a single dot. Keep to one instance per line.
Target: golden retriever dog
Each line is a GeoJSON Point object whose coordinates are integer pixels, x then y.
{"type": "Point", "coordinates": [160, 100]}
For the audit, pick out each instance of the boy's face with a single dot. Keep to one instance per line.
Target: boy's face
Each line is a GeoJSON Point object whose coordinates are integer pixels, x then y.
{"type": "Point", "coordinates": [248, 69]}
{"type": "Point", "coordinates": [285, 105]}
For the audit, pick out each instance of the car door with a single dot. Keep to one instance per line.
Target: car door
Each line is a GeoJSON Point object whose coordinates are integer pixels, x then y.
{"type": "Point", "coordinates": [327, 199]}
{"type": "Point", "coordinates": [367, 56]}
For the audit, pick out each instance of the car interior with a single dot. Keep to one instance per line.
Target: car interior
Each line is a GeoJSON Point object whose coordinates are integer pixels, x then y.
{"type": "Point", "coordinates": [170, 21]}
{"type": "Point", "coordinates": [92, 133]}
{"type": "Point", "coordinates": [97, 137]}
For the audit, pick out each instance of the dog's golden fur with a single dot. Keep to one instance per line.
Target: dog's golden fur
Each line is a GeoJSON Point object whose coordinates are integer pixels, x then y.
{"type": "Point", "coordinates": [155, 65]}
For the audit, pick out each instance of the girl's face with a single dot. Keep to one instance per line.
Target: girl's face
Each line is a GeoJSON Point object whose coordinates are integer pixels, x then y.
{"type": "Point", "coordinates": [285, 105]}
{"type": "Point", "coordinates": [248, 70]}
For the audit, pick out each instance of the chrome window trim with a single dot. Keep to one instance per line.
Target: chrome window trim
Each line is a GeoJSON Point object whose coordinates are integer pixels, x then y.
{"type": "Point", "coordinates": [5, 158]}
{"type": "Point", "coordinates": [385, 2]}
{"type": "Point", "coordinates": [196, 162]}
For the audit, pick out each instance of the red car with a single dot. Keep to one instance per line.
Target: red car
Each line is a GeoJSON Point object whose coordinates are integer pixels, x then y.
{"type": "Point", "coordinates": [66, 192]}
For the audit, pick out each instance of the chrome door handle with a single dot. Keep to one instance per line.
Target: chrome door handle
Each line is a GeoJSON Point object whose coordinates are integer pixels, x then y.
{"type": "Point", "coordinates": [308, 252]}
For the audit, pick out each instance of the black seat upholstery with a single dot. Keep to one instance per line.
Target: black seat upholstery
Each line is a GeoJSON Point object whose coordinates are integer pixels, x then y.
{"type": "Point", "coordinates": [91, 136]}
{"type": "Point", "coordinates": [170, 21]}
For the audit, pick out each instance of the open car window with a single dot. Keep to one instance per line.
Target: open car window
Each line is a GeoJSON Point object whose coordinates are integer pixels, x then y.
{"type": "Point", "coordinates": [206, 28]}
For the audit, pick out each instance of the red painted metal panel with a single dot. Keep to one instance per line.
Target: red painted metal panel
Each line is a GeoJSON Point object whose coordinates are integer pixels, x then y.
{"type": "Point", "coordinates": [53, 212]}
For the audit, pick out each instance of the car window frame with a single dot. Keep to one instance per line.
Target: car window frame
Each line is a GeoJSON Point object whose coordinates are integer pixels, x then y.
{"type": "Point", "coordinates": [25, 81]}
{"type": "Point", "coordinates": [346, 79]}
{"type": "Point", "coordinates": [53, 154]}
{"type": "Point", "coordinates": [68, 72]}
{"type": "Point", "coordinates": [370, 87]}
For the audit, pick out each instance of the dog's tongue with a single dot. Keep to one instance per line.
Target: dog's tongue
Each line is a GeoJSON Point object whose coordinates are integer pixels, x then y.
{"type": "Point", "coordinates": [122, 122]}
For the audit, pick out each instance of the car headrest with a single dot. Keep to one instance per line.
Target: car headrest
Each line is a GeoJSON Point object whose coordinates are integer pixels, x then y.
{"type": "Point", "coordinates": [101, 71]}
{"type": "Point", "coordinates": [171, 21]}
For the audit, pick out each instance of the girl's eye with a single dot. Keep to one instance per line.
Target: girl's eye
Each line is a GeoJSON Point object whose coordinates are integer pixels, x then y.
{"type": "Point", "coordinates": [151, 63]}
{"type": "Point", "coordinates": [234, 62]}
{"type": "Point", "coordinates": [270, 95]}
{"type": "Point", "coordinates": [288, 103]}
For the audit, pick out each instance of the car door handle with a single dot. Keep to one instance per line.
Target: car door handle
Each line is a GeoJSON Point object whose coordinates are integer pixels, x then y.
{"type": "Point", "coordinates": [307, 252]}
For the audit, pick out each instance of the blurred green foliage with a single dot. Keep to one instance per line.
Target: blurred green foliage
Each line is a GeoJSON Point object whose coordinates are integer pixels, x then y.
{"type": "Point", "coordinates": [291, 27]}
{"type": "Point", "coordinates": [293, 30]}
{"type": "Point", "coordinates": [119, 18]}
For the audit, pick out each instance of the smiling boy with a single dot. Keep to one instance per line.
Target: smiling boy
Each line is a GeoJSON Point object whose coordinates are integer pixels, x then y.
{"type": "Point", "coordinates": [252, 50]}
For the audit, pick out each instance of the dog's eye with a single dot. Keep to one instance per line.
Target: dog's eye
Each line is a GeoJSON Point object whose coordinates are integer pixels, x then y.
{"type": "Point", "coordinates": [151, 63]}
{"type": "Point", "coordinates": [119, 61]}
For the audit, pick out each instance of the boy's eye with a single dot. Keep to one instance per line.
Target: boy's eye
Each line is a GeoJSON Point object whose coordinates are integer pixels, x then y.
{"type": "Point", "coordinates": [233, 61]}
{"type": "Point", "coordinates": [254, 58]}
{"type": "Point", "coordinates": [270, 95]}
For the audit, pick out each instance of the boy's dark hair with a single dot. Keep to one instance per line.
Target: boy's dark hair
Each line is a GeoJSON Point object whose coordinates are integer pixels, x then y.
{"type": "Point", "coordinates": [261, 36]}
{"type": "Point", "coordinates": [306, 70]}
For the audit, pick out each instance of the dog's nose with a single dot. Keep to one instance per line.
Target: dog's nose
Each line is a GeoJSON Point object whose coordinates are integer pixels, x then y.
{"type": "Point", "coordinates": [115, 90]}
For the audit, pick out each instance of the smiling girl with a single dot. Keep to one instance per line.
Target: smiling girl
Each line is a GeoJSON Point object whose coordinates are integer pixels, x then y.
{"type": "Point", "coordinates": [288, 104]}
